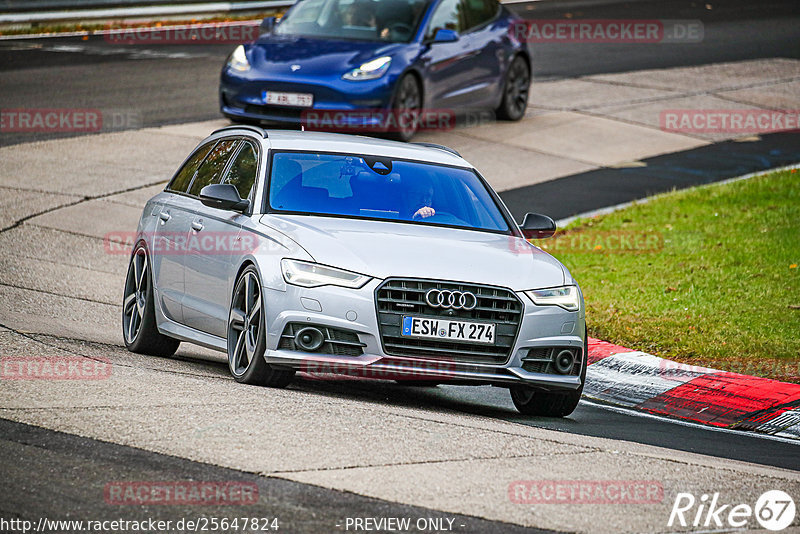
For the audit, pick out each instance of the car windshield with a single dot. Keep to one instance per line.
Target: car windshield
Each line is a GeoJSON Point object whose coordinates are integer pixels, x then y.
{"type": "Point", "coordinates": [381, 188]}
{"type": "Point", "coordinates": [370, 20]}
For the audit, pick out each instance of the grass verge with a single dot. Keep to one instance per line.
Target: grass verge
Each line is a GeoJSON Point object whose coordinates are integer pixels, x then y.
{"type": "Point", "coordinates": [706, 276]}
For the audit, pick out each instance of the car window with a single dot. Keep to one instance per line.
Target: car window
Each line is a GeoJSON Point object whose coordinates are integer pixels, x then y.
{"type": "Point", "coordinates": [375, 187]}
{"type": "Point", "coordinates": [371, 20]}
{"type": "Point", "coordinates": [210, 171]}
{"type": "Point", "coordinates": [448, 15]}
{"type": "Point", "coordinates": [180, 183]}
{"type": "Point", "coordinates": [478, 12]}
{"type": "Point", "coordinates": [243, 170]}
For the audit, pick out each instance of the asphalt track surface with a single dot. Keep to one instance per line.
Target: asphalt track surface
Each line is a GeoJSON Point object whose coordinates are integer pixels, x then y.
{"type": "Point", "coordinates": [55, 475]}
{"type": "Point", "coordinates": [47, 472]}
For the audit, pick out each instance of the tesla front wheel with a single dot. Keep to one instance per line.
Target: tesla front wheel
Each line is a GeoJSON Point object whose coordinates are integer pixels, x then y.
{"type": "Point", "coordinates": [247, 336]}
{"type": "Point", "coordinates": [138, 311]}
{"type": "Point", "coordinates": [515, 91]}
{"type": "Point", "coordinates": [406, 109]}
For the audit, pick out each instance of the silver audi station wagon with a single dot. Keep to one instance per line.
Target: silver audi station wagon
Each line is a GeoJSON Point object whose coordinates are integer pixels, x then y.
{"type": "Point", "coordinates": [325, 253]}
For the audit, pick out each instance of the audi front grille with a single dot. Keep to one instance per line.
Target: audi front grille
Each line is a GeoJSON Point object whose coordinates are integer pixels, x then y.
{"type": "Point", "coordinates": [399, 297]}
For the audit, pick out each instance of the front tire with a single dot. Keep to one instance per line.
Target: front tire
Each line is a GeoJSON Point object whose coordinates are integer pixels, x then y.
{"type": "Point", "coordinates": [247, 336]}
{"type": "Point", "coordinates": [139, 330]}
{"type": "Point", "coordinates": [406, 108]}
{"type": "Point", "coordinates": [531, 401]}
{"type": "Point", "coordinates": [516, 89]}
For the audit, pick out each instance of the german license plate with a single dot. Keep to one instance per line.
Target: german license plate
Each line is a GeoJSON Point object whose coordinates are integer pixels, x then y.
{"type": "Point", "coordinates": [298, 100]}
{"type": "Point", "coordinates": [448, 330]}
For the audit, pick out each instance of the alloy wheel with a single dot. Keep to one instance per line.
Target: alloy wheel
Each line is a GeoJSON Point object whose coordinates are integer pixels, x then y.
{"type": "Point", "coordinates": [136, 293]}
{"type": "Point", "coordinates": [517, 87]}
{"type": "Point", "coordinates": [407, 107]}
{"type": "Point", "coordinates": [244, 323]}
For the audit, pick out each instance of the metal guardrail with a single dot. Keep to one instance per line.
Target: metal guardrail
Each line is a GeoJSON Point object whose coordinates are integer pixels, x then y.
{"type": "Point", "coordinates": [38, 11]}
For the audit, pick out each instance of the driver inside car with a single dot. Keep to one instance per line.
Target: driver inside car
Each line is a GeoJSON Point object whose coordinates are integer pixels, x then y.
{"type": "Point", "coordinates": [420, 200]}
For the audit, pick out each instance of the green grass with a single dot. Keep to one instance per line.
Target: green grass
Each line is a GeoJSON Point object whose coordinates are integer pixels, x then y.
{"type": "Point", "coordinates": [717, 284]}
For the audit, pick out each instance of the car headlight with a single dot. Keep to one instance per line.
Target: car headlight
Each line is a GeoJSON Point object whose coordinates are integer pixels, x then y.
{"type": "Point", "coordinates": [568, 297]}
{"type": "Point", "coordinates": [370, 70]}
{"type": "Point", "coordinates": [238, 60]}
{"type": "Point", "coordinates": [306, 274]}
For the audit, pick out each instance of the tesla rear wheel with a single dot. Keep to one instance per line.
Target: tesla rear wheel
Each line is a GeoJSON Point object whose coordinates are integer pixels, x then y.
{"type": "Point", "coordinates": [247, 336]}
{"type": "Point", "coordinates": [406, 108]}
{"type": "Point", "coordinates": [515, 91]}
{"type": "Point", "coordinates": [138, 311]}
{"type": "Point", "coordinates": [531, 401]}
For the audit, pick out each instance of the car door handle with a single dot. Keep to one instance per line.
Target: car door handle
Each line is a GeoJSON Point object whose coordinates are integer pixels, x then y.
{"type": "Point", "coordinates": [164, 216]}
{"type": "Point", "coordinates": [197, 226]}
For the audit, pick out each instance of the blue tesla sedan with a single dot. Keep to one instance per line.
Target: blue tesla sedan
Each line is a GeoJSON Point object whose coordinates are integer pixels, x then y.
{"type": "Point", "coordinates": [348, 64]}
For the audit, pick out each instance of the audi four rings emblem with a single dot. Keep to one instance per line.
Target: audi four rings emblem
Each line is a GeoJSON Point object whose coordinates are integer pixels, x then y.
{"type": "Point", "coordinates": [456, 300]}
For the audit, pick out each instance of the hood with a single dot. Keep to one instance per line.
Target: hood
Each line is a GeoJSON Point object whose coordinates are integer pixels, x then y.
{"type": "Point", "coordinates": [315, 57]}
{"type": "Point", "coordinates": [386, 249]}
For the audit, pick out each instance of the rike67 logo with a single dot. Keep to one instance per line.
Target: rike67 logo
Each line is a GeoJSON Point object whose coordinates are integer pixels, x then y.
{"type": "Point", "coordinates": [774, 510]}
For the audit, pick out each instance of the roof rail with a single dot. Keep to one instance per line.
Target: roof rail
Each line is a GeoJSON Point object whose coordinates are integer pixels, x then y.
{"type": "Point", "coordinates": [257, 129]}
{"type": "Point", "coordinates": [440, 147]}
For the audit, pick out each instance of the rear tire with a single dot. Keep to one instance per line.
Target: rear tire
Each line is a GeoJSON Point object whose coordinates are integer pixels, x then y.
{"type": "Point", "coordinates": [247, 337]}
{"type": "Point", "coordinates": [516, 89]}
{"type": "Point", "coordinates": [532, 401]}
{"type": "Point", "coordinates": [139, 330]}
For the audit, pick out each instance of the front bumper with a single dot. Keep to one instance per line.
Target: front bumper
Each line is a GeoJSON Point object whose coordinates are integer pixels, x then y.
{"type": "Point", "coordinates": [243, 97]}
{"type": "Point", "coordinates": [541, 327]}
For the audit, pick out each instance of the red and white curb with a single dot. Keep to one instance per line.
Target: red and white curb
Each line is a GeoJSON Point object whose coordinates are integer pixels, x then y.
{"type": "Point", "coordinates": [633, 379]}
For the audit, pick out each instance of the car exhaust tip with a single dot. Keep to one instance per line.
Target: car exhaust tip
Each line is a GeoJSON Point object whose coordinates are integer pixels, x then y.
{"type": "Point", "coordinates": [564, 361]}
{"type": "Point", "coordinates": [309, 339]}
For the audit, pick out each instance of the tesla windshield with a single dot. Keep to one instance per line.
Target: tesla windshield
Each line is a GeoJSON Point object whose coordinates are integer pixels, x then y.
{"type": "Point", "coordinates": [372, 20]}
{"type": "Point", "coordinates": [381, 188]}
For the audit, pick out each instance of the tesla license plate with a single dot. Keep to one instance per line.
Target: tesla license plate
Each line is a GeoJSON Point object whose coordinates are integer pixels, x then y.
{"type": "Point", "coordinates": [299, 100]}
{"type": "Point", "coordinates": [449, 330]}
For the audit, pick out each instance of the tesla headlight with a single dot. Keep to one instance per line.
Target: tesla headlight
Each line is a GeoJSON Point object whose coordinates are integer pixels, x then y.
{"type": "Point", "coordinates": [306, 274]}
{"type": "Point", "coordinates": [238, 60]}
{"type": "Point", "coordinates": [568, 297]}
{"type": "Point", "coordinates": [371, 70]}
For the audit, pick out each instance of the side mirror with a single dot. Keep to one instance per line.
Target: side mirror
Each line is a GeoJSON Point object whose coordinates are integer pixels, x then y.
{"type": "Point", "coordinates": [536, 226]}
{"type": "Point", "coordinates": [268, 24]}
{"type": "Point", "coordinates": [223, 197]}
{"type": "Point", "coordinates": [443, 35]}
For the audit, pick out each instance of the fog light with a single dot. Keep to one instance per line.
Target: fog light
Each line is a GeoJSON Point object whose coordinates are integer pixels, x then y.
{"type": "Point", "coordinates": [564, 362]}
{"type": "Point", "coordinates": [309, 339]}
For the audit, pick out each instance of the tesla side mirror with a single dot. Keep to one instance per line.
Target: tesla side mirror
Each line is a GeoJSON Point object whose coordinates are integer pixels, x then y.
{"type": "Point", "coordinates": [443, 35]}
{"type": "Point", "coordinates": [268, 24]}
{"type": "Point", "coordinates": [536, 226]}
{"type": "Point", "coordinates": [223, 197]}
